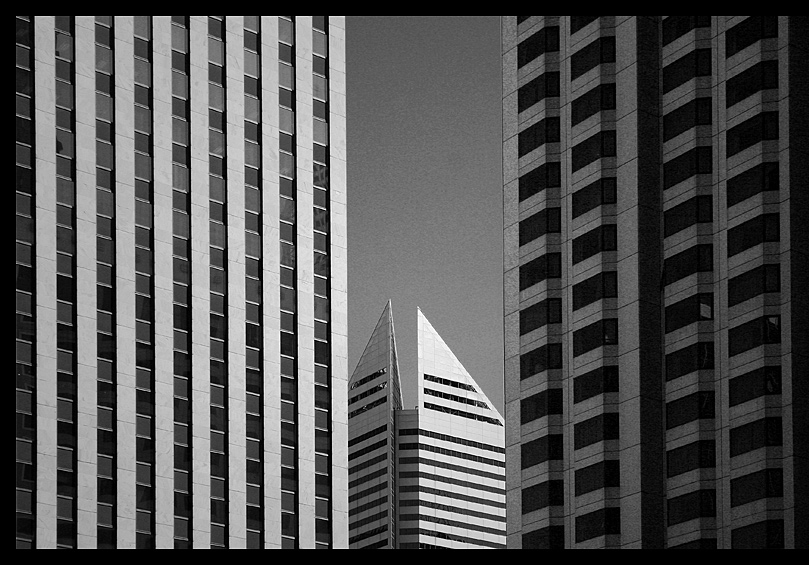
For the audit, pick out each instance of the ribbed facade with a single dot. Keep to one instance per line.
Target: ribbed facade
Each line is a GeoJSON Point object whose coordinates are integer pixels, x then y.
{"type": "Point", "coordinates": [429, 478]}
{"type": "Point", "coordinates": [181, 282]}
{"type": "Point", "coordinates": [655, 325]}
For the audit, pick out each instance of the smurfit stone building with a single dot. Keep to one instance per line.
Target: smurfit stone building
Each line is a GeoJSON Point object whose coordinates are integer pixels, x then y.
{"type": "Point", "coordinates": [181, 282]}
{"type": "Point", "coordinates": [655, 272]}
{"type": "Point", "coordinates": [428, 478]}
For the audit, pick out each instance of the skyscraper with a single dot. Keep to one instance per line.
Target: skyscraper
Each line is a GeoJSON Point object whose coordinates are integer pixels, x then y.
{"type": "Point", "coordinates": [181, 282]}
{"type": "Point", "coordinates": [429, 478]}
{"type": "Point", "coordinates": [655, 262]}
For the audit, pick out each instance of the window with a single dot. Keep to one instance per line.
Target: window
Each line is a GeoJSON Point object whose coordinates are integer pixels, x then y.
{"type": "Point", "coordinates": [699, 406]}
{"type": "Point", "coordinates": [756, 435]}
{"type": "Point", "coordinates": [540, 224]}
{"type": "Point", "coordinates": [600, 334]}
{"type": "Point", "coordinates": [698, 161]}
{"type": "Point", "coordinates": [552, 537]}
{"type": "Point", "coordinates": [753, 334]}
{"type": "Point", "coordinates": [698, 112]}
{"type": "Point", "coordinates": [542, 450]}
{"type": "Point", "coordinates": [675, 27]}
{"type": "Point", "coordinates": [762, 280]}
{"type": "Point", "coordinates": [600, 193]}
{"type": "Point", "coordinates": [540, 269]}
{"type": "Point", "coordinates": [761, 178]}
{"type": "Point", "coordinates": [697, 308]}
{"type": "Point", "coordinates": [698, 259]}
{"type": "Point", "coordinates": [698, 455]}
{"type": "Point", "coordinates": [544, 41]}
{"type": "Point", "coordinates": [603, 285]}
{"type": "Point", "coordinates": [750, 31]}
{"type": "Point", "coordinates": [545, 358]}
{"type": "Point", "coordinates": [596, 430]}
{"type": "Point", "coordinates": [542, 132]}
{"type": "Point", "coordinates": [763, 229]}
{"type": "Point", "coordinates": [599, 240]}
{"type": "Point", "coordinates": [595, 383]}
{"type": "Point", "coordinates": [606, 474]}
{"type": "Point", "coordinates": [694, 505]}
{"type": "Point", "coordinates": [697, 357]}
{"type": "Point", "coordinates": [762, 76]}
{"type": "Point", "coordinates": [768, 483]}
{"type": "Point", "coordinates": [540, 315]}
{"type": "Point", "coordinates": [543, 86]}
{"type": "Point", "coordinates": [599, 52]}
{"type": "Point", "coordinates": [596, 100]}
{"type": "Point", "coordinates": [578, 23]}
{"type": "Point", "coordinates": [765, 381]}
{"type": "Point", "coordinates": [545, 176]}
{"type": "Point", "coordinates": [605, 522]}
{"type": "Point", "coordinates": [542, 496]}
{"type": "Point", "coordinates": [596, 147]}
{"type": "Point", "coordinates": [695, 64]}
{"type": "Point", "coordinates": [698, 210]}
{"type": "Point", "coordinates": [763, 535]}
{"type": "Point", "coordinates": [762, 127]}
{"type": "Point", "coordinates": [538, 406]}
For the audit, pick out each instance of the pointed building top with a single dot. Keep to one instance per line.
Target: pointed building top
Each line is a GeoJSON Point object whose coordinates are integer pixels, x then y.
{"type": "Point", "coordinates": [380, 357]}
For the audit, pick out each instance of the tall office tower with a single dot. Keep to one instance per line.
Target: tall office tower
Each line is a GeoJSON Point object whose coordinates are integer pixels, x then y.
{"type": "Point", "coordinates": [655, 267]}
{"type": "Point", "coordinates": [429, 478]}
{"type": "Point", "coordinates": [181, 282]}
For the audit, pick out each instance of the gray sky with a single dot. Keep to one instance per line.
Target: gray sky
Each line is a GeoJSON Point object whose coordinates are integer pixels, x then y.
{"type": "Point", "coordinates": [425, 209]}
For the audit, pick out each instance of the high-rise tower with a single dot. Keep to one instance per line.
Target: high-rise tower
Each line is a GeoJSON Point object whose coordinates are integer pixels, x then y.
{"type": "Point", "coordinates": [181, 282]}
{"type": "Point", "coordinates": [655, 319]}
{"type": "Point", "coordinates": [429, 478]}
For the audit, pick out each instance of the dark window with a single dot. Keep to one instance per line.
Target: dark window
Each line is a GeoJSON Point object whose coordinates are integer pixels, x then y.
{"type": "Point", "coordinates": [598, 429]}
{"type": "Point", "coordinates": [521, 19]}
{"type": "Point", "coordinates": [698, 455]}
{"type": "Point", "coordinates": [697, 357]}
{"type": "Point", "coordinates": [543, 86]}
{"type": "Point", "coordinates": [750, 31]}
{"type": "Point", "coordinates": [596, 100]}
{"type": "Point", "coordinates": [600, 334]}
{"type": "Point", "coordinates": [542, 496]}
{"type": "Point", "coordinates": [699, 406]}
{"type": "Point", "coordinates": [764, 535]}
{"type": "Point", "coordinates": [544, 41]}
{"type": "Point", "coordinates": [603, 285]}
{"type": "Point", "coordinates": [675, 27]}
{"type": "Point", "coordinates": [698, 259]}
{"type": "Point", "coordinates": [698, 161]}
{"type": "Point", "coordinates": [600, 51]}
{"type": "Point", "coordinates": [540, 269]}
{"type": "Point", "coordinates": [605, 522]}
{"type": "Point", "coordinates": [599, 193]}
{"type": "Point", "coordinates": [601, 239]}
{"type": "Point", "coordinates": [546, 358]}
{"type": "Point", "coordinates": [542, 450]}
{"type": "Point", "coordinates": [540, 224]}
{"type": "Point", "coordinates": [753, 334]}
{"type": "Point", "coordinates": [762, 76]}
{"type": "Point", "coordinates": [756, 435]}
{"type": "Point", "coordinates": [768, 483]}
{"type": "Point", "coordinates": [694, 505]}
{"type": "Point", "coordinates": [762, 127]}
{"type": "Point", "coordinates": [546, 403]}
{"type": "Point", "coordinates": [696, 64]}
{"type": "Point", "coordinates": [762, 178]}
{"type": "Point", "coordinates": [765, 381]}
{"type": "Point", "coordinates": [595, 383]}
{"type": "Point", "coordinates": [697, 308]}
{"type": "Point", "coordinates": [580, 22]}
{"type": "Point", "coordinates": [540, 315]}
{"type": "Point", "coordinates": [687, 117]}
{"type": "Point", "coordinates": [545, 176]}
{"type": "Point", "coordinates": [552, 537]}
{"type": "Point", "coordinates": [542, 132]}
{"type": "Point", "coordinates": [698, 210]}
{"type": "Point", "coordinates": [762, 280]}
{"type": "Point", "coordinates": [763, 229]}
{"type": "Point", "coordinates": [606, 474]}
{"type": "Point", "coordinates": [703, 543]}
{"type": "Point", "coordinates": [594, 148]}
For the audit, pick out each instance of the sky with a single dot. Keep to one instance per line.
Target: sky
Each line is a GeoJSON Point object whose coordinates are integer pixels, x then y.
{"type": "Point", "coordinates": [425, 208]}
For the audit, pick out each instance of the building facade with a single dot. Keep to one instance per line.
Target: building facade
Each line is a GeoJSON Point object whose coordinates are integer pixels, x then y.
{"type": "Point", "coordinates": [655, 319]}
{"type": "Point", "coordinates": [428, 478]}
{"type": "Point", "coordinates": [181, 282]}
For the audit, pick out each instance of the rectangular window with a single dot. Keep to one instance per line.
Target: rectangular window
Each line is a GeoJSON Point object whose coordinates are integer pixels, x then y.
{"type": "Point", "coordinates": [675, 27]}
{"type": "Point", "coordinates": [594, 336]}
{"type": "Point", "coordinates": [542, 132]}
{"type": "Point", "coordinates": [542, 450]}
{"type": "Point", "coordinates": [542, 496]}
{"type": "Point", "coordinates": [599, 52]}
{"type": "Point", "coordinates": [600, 193]}
{"type": "Point", "coordinates": [545, 358]}
{"type": "Point", "coordinates": [603, 285]}
{"type": "Point", "coordinates": [540, 269]}
{"type": "Point", "coordinates": [698, 161]}
{"type": "Point", "coordinates": [762, 280]}
{"type": "Point", "coordinates": [756, 435]}
{"type": "Point", "coordinates": [753, 334]}
{"type": "Point", "coordinates": [697, 308]}
{"type": "Point", "coordinates": [540, 224]}
{"type": "Point", "coordinates": [761, 178]}
{"type": "Point", "coordinates": [542, 87]}
{"type": "Point", "coordinates": [698, 455]}
{"type": "Point", "coordinates": [762, 76]}
{"type": "Point", "coordinates": [605, 522]}
{"type": "Point", "coordinates": [768, 483]}
{"type": "Point", "coordinates": [697, 357]}
{"type": "Point", "coordinates": [698, 210]}
{"type": "Point", "coordinates": [552, 537]}
{"type": "Point", "coordinates": [596, 100]}
{"type": "Point", "coordinates": [596, 430]}
{"type": "Point", "coordinates": [692, 506]}
{"type": "Point", "coordinates": [699, 406]}
{"type": "Point", "coordinates": [698, 112]}
{"type": "Point", "coordinates": [763, 229]}
{"type": "Point", "coordinates": [594, 148]}
{"type": "Point", "coordinates": [577, 23]}
{"type": "Point", "coordinates": [540, 315]}
{"type": "Point", "coordinates": [544, 41]}
{"type": "Point", "coordinates": [763, 535]}
{"type": "Point", "coordinates": [698, 259]}
{"type": "Point", "coordinates": [762, 127]}
{"type": "Point", "coordinates": [538, 406]}
{"type": "Point", "coordinates": [697, 63]}
{"type": "Point", "coordinates": [603, 380]}
{"type": "Point", "coordinates": [765, 381]}
{"type": "Point", "coordinates": [545, 176]}
{"type": "Point", "coordinates": [599, 240]}
{"type": "Point", "coordinates": [750, 31]}
{"type": "Point", "coordinates": [606, 474]}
